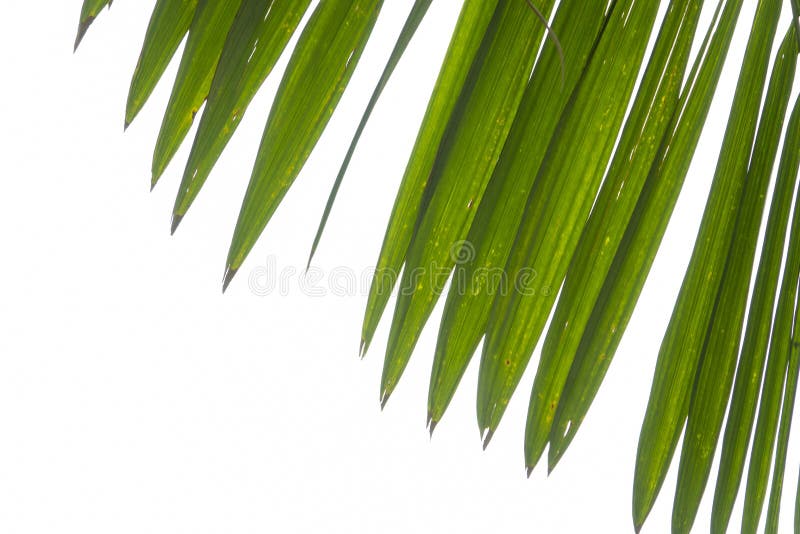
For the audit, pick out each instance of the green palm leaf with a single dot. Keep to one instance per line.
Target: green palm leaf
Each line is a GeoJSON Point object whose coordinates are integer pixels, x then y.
{"type": "Point", "coordinates": [773, 385]}
{"type": "Point", "coordinates": [464, 165]}
{"type": "Point", "coordinates": [787, 410]}
{"type": "Point", "coordinates": [415, 18]}
{"type": "Point", "coordinates": [258, 35]}
{"type": "Point", "coordinates": [558, 206]}
{"type": "Point", "coordinates": [203, 47]}
{"type": "Point", "coordinates": [315, 79]}
{"type": "Point", "coordinates": [467, 36]}
{"type": "Point", "coordinates": [479, 276]}
{"type": "Point", "coordinates": [89, 12]}
{"type": "Point", "coordinates": [542, 175]}
{"type": "Point", "coordinates": [683, 342]}
{"type": "Point", "coordinates": [630, 267]}
{"type": "Point", "coordinates": [641, 138]}
{"type": "Point", "coordinates": [168, 25]}
{"type": "Point", "coordinates": [715, 375]}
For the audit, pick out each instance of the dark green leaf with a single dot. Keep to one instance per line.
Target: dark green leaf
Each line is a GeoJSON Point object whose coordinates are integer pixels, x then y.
{"type": "Point", "coordinates": [257, 37]}
{"type": "Point", "coordinates": [316, 77]}
{"type": "Point", "coordinates": [715, 376]}
{"type": "Point", "coordinates": [89, 12]}
{"type": "Point", "coordinates": [464, 166]}
{"type": "Point", "coordinates": [467, 37]}
{"type": "Point", "coordinates": [418, 12]}
{"type": "Point", "coordinates": [683, 342]}
{"type": "Point", "coordinates": [559, 204]}
{"type": "Point", "coordinates": [642, 136]}
{"type": "Point", "coordinates": [477, 280]}
{"type": "Point", "coordinates": [168, 25]}
{"type": "Point", "coordinates": [210, 26]}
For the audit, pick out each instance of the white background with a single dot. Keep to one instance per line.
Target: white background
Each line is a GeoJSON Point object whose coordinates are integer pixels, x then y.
{"type": "Point", "coordinates": [135, 398]}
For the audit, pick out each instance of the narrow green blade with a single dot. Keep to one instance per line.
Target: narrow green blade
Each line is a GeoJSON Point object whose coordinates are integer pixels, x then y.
{"type": "Point", "coordinates": [787, 410]}
{"type": "Point", "coordinates": [642, 238]}
{"type": "Point", "coordinates": [317, 75]}
{"type": "Point", "coordinates": [775, 374]}
{"type": "Point", "coordinates": [471, 26]}
{"type": "Point", "coordinates": [477, 279]}
{"type": "Point", "coordinates": [258, 36]}
{"type": "Point", "coordinates": [683, 342]}
{"type": "Point", "coordinates": [415, 17]}
{"type": "Point", "coordinates": [501, 74]}
{"type": "Point", "coordinates": [210, 26]}
{"type": "Point", "coordinates": [646, 125]}
{"type": "Point", "coordinates": [750, 369]}
{"type": "Point", "coordinates": [797, 508]}
{"type": "Point", "coordinates": [559, 205]}
{"type": "Point", "coordinates": [715, 377]}
{"type": "Point", "coordinates": [168, 24]}
{"type": "Point", "coordinates": [796, 16]}
{"type": "Point", "coordinates": [89, 12]}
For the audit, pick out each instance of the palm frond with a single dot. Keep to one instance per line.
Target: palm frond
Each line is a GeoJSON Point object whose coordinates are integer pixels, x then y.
{"type": "Point", "coordinates": [479, 276]}
{"type": "Point", "coordinates": [638, 147]}
{"type": "Point", "coordinates": [543, 177]}
{"type": "Point", "coordinates": [418, 179]}
{"type": "Point", "coordinates": [461, 173]}
{"type": "Point", "coordinates": [686, 336]}
{"type": "Point", "coordinates": [642, 238]}
{"type": "Point", "coordinates": [715, 373]}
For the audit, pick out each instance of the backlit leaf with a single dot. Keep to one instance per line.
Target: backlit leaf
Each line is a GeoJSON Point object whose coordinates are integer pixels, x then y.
{"type": "Point", "coordinates": [258, 36]}
{"type": "Point", "coordinates": [168, 25]}
{"type": "Point", "coordinates": [210, 26]}
{"type": "Point", "coordinates": [478, 278]}
{"type": "Point", "coordinates": [317, 75]}
{"type": "Point", "coordinates": [683, 342]}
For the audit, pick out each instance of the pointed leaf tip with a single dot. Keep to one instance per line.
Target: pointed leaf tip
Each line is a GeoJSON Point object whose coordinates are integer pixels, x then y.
{"type": "Point", "coordinates": [229, 274]}
{"type": "Point", "coordinates": [176, 222]}
{"type": "Point", "coordinates": [432, 425]}
{"type": "Point", "coordinates": [83, 27]}
{"type": "Point", "coordinates": [488, 438]}
{"type": "Point", "coordinates": [554, 456]}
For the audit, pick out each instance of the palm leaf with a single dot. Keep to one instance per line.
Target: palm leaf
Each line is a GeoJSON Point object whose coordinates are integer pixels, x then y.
{"type": "Point", "coordinates": [641, 138]}
{"type": "Point", "coordinates": [89, 12]}
{"type": "Point", "coordinates": [168, 26]}
{"type": "Point", "coordinates": [461, 173]}
{"type": "Point", "coordinates": [321, 66]}
{"type": "Point", "coordinates": [467, 36]}
{"type": "Point", "coordinates": [558, 205]}
{"type": "Point", "coordinates": [479, 275]}
{"type": "Point", "coordinates": [773, 385]}
{"type": "Point", "coordinates": [415, 18]}
{"type": "Point", "coordinates": [258, 35]}
{"type": "Point", "coordinates": [685, 337]}
{"type": "Point", "coordinates": [642, 238]}
{"type": "Point", "coordinates": [715, 374]}
{"type": "Point", "coordinates": [542, 176]}
{"type": "Point", "coordinates": [207, 35]}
